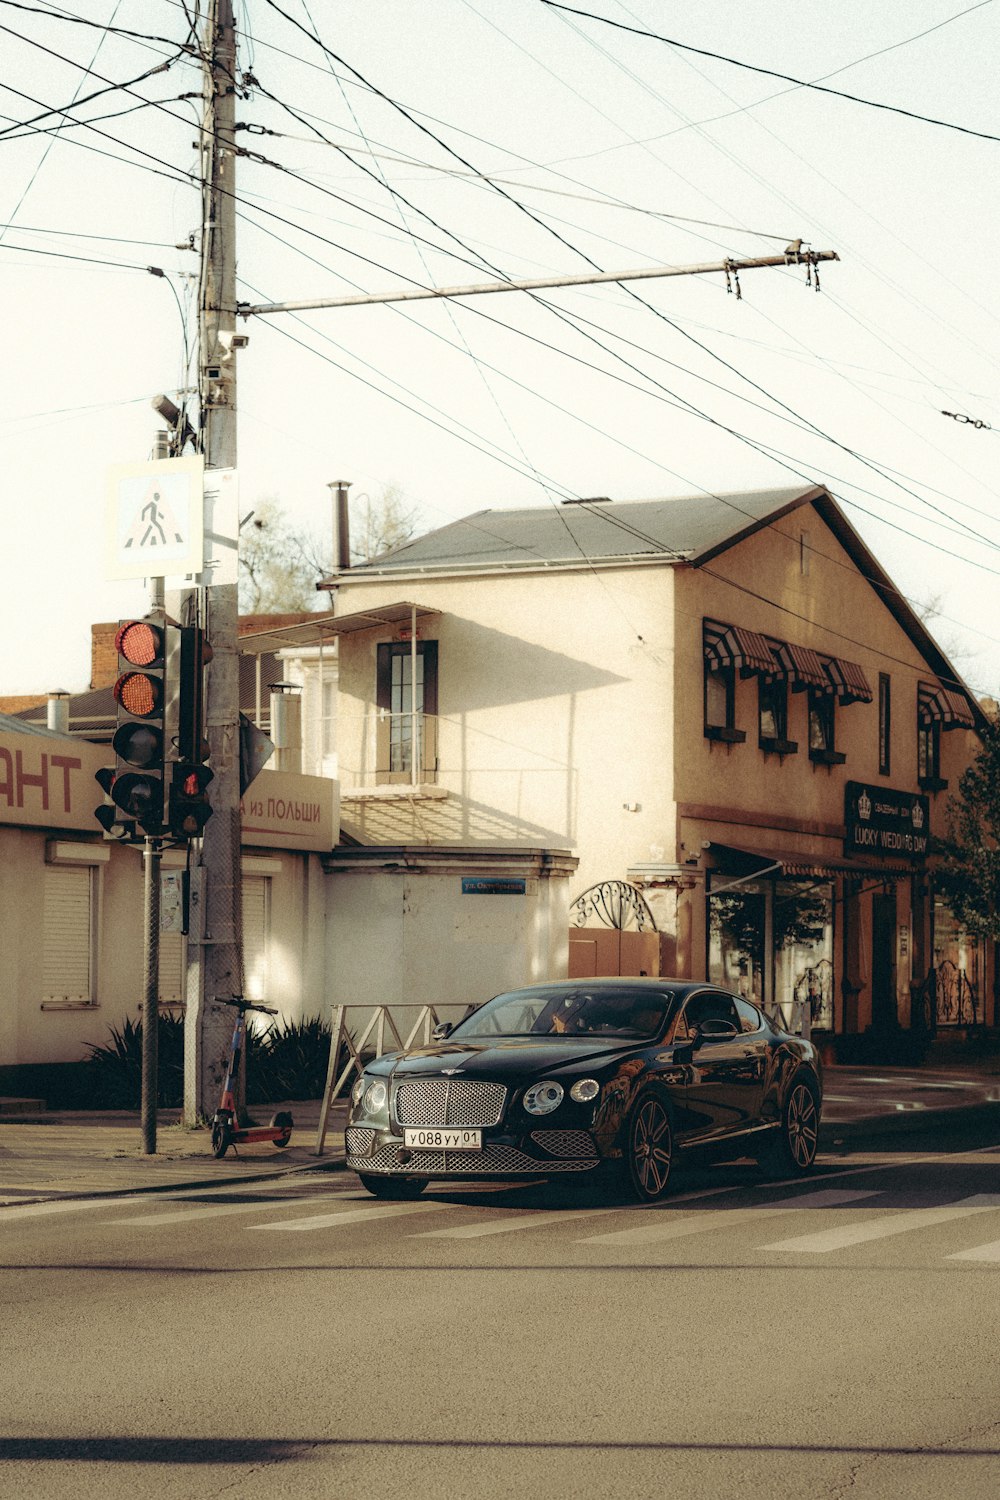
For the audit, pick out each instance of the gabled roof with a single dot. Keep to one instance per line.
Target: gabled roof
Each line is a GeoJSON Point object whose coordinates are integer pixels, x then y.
{"type": "Point", "coordinates": [687, 528]}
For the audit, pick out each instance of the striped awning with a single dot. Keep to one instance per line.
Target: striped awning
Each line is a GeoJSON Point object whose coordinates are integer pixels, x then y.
{"type": "Point", "coordinates": [849, 680]}
{"type": "Point", "coordinates": [801, 667]}
{"type": "Point", "coordinates": [936, 704]}
{"type": "Point", "coordinates": [733, 646]}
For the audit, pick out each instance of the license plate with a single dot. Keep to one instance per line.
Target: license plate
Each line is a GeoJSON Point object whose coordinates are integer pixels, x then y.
{"type": "Point", "coordinates": [433, 1138]}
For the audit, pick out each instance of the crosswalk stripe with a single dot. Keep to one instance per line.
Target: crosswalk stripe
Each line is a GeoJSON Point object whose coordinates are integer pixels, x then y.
{"type": "Point", "coordinates": [878, 1229]}
{"type": "Point", "coordinates": [352, 1216]}
{"type": "Point", "coordinates": [214, 1211]}
{"type": "Point", "coordinates": [989, 1252]}
{"type": "Point", "coordinates": [665, 1226]}
{"type": "Point", "coordinates": [58, 1206]}
{"type": "Point", "coordinates": [480, 1230]}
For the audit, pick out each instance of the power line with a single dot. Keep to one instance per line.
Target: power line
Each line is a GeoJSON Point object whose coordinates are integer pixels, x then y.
{"type": "Point", "coordinates": [801, 83]}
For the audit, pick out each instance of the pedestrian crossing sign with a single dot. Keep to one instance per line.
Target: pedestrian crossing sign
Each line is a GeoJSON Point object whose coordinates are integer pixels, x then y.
{"type": "Point", "coordinates": [155, 518]}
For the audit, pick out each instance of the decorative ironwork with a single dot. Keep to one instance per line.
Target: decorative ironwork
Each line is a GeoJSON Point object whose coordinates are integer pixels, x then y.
{"type": "Point", "coordinates": [613, 903]}
{"type": "Point", "coordinates": [947, 997]}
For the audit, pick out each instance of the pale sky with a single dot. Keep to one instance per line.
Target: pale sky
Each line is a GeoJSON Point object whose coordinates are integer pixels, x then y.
{"type": "Point", "coordinates": [603, 147]}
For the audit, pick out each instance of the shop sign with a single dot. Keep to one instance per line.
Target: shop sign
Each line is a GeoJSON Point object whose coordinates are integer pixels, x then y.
{"type": "Point", "coordinates": [885, 822]}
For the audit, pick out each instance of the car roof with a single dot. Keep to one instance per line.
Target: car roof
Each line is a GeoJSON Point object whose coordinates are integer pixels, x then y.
{"type": "Point", "coordinates": [615, 981]}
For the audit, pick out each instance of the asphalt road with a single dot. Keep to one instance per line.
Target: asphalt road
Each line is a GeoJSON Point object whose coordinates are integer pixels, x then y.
{"type": "Point", "coordinates": [296, 1338]}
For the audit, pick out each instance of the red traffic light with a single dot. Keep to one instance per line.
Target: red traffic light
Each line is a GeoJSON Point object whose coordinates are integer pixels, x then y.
{"type": "Point", "coordinates": [140, 643]}
{"type": "Point", "coordinates": [189, 808]}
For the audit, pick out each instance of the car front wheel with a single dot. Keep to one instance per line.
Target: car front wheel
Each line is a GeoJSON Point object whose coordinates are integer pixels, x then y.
{"type": "Point", "coordinates": [793, 1147]}
{"type": "Point", "coordinates": [648, 1148]}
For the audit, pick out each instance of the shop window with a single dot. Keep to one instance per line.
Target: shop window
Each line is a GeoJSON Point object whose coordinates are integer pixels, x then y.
{"type": "Point", "coordinates": [803, 951]}
{"type": "Point", "coordinates": [772, 706]}
{"type": "Point", "coordinates": [737, 922]}
{"type": "Point", "coordinates": [406, 707]}
{"type": "Point", "coordinates": [884, 723]}
{"type": "Point", "coordinates": [959, 970]}
{"type": "Point", "coordinates": [822, 729]}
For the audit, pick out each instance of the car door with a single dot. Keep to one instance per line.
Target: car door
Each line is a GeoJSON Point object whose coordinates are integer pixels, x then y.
{"type": "Point", "coordinates": [726, 1078]}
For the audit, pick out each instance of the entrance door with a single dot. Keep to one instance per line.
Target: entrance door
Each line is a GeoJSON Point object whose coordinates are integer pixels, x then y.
{"type": "Point", "coordinates": [884, 1015]}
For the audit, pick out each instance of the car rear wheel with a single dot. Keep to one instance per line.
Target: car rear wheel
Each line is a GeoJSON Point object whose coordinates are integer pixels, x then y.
{"type": "Point", "coordinates": [793, 1146]}
{"type": "Point", "coordinates": [648, 1148]}
{"type": "Point", "coordinates": [392, 1187]}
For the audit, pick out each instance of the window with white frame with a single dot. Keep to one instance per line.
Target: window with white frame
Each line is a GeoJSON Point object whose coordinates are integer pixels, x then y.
{"type": "Point", "coordinates": [256, 933]}
{"type": "Point", "coordinates": [69, 924]}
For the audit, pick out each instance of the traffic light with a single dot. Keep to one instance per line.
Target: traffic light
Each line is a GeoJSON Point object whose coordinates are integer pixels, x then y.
{"type": "Point", "coordinates": [195, 655]}
{"type": "Point", "coordinates": [189, 807]}
{"type": "Point", "coordinates": [146, 693]}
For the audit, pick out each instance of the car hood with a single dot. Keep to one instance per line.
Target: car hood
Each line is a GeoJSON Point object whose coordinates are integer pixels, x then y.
{"type": "Point", "coordinates": [507, 1058]}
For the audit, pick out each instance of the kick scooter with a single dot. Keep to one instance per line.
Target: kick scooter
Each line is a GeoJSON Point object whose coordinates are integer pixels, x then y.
{"type": "Point", "coordinates": [225, 1130]}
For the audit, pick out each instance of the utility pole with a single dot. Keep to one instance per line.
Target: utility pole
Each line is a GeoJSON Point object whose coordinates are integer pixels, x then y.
{"type": "Point", "coordinates": [215, 943]}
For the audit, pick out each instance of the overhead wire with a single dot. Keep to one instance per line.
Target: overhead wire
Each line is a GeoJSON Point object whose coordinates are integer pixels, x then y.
{"type": "Point", "coordinates": [773, 73]}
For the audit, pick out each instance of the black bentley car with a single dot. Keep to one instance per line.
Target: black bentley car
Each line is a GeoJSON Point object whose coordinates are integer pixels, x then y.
{"type": "Point", "coordinates": [580, 1075]}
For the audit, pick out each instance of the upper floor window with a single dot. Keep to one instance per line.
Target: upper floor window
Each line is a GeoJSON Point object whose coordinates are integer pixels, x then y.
{"type": "Point", "coordinates": [407, 704]}
{"type": "Point", "coordinates": [772, 709]}
{"type": "Point", "coordinates": [938, 709]}
{"type": "Point", "coordinates": [884, 723]}
{"type": "Point", "coordinates": [929, 756]}
{"type": "Point", "coordinates": [720, 697]}
{"type": "Point", "coordinates": [823, 729]}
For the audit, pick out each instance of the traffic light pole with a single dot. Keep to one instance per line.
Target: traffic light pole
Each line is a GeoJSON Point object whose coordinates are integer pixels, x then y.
{"type": "Point", "coordinates": [151, 994]}
{"type": "Point", "coordinates": [215, 940]}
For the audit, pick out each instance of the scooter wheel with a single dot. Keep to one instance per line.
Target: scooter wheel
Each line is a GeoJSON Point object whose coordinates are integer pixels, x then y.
{"type": "Point", "coordinates": [221, 1137]}
{"type": "Point", "coordinates": [284, 1120]}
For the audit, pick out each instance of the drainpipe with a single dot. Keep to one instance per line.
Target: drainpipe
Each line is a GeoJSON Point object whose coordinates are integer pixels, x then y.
{"type": "Point", "coordinates": [415, 750]}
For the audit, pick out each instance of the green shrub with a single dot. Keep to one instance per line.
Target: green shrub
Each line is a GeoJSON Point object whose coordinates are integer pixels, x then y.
{"type": "Point", "coordinates": [289, 1061]}
{"type": "Point", "coordinates": [114, 1069]}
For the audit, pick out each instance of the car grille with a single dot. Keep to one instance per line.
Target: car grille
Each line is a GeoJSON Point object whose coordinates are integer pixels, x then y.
{"type": "Point", "coordinates": [448, 1101]}
{"type": "Point", "coordinates": [565, 1142]}
{"type": "Point", "coordinates": [492, 1161]}
{"type": "Point", "coordinates": [359, 1142]}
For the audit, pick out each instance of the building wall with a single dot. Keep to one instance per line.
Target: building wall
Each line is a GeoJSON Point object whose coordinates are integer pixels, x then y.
{"type": "Point", "coordinates": [555, 705]}
{"type": "Point", "coordinates": [402, 931]}
{"type": "Point", "coordinates": [831, 609]}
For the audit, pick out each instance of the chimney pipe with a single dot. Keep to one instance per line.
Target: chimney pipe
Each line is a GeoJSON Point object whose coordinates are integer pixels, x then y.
{"type": "Point", "coordinates": [341, 524]}
{"type": "Point", "coordinates": [57, 712]}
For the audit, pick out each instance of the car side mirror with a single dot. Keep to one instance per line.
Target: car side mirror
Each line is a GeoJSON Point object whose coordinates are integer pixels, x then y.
{"type": "Point", "coordinates": [442, 1031]}
{"type": "Point", "coordinates": [714, 1030]}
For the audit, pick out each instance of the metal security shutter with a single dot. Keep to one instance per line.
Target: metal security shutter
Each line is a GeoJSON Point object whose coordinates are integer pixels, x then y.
{"type": "Point", "coordinates": [256, 914]}
{"type": "Point", "coordinates": [67, 934]}
{"type": "Point", "coordinates": [173, 967]}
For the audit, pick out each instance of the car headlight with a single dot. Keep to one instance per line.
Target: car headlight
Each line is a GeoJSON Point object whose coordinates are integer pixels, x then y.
{"type": "Point", "coordinates": [376, 1097]}
{"type": "Point", "coordinates": [584, 1090]}
{"type": "Point", "coordinates": [543, 1098]}
{"type": "Point", "coordinates": [369, 1096]}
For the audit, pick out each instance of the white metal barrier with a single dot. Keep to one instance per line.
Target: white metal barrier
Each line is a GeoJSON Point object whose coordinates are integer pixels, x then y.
{"type": "Point", "coordinates": [381, 1022]}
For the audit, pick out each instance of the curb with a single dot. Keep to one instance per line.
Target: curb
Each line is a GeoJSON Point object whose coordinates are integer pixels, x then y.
{"type": "Point", "coordinates": [908, 1121]}
{"type": "Point", "coordinates": [322, 1164]}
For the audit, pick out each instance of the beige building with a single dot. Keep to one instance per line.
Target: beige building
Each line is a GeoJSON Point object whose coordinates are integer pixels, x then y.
{"type": "Point", "coordinates": [720, 705]}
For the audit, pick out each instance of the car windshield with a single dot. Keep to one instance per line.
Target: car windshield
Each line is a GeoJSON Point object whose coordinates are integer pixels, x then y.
{"type": "Point", "coordinates": [576, 1010]}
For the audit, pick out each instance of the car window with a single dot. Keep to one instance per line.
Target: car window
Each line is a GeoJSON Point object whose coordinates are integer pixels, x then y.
{"type": "Point", "coordinates": [750, 1017]}
{"type": "Point", "coordinates": [573, 1010]}
{"type": "Point", "coordinates": [708, 1005]}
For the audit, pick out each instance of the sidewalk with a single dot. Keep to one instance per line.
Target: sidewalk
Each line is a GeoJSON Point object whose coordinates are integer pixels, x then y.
{"type": "Point", "coordinates": [83, 1154]}
{"type": "Point", "coordinates": [78, 1153]}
